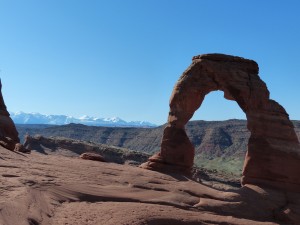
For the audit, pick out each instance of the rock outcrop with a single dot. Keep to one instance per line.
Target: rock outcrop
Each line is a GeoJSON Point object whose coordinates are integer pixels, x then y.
{"type": "Point", "coordinates": [74, 148]}
{"type": "Point", "coordinates": [92, 156]}
{"type": "Point", "coordinates": [273, 156]}
{"type": "Point", "coordinates": [8, 133]}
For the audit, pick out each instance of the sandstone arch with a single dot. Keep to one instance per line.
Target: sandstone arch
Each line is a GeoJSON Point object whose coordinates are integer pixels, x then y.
{"type": "Point", "coordinates": [273, 156]}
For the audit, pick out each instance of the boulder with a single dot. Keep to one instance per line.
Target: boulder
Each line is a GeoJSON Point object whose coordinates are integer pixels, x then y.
{"type": "Point", "coordinates": [92, 156]}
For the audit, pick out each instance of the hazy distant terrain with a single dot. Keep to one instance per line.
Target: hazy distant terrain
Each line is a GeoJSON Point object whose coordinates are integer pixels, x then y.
{"type": "Point", "coordinates": [37, 118]}
{"type": "Point", "coordinates": [219, 145]}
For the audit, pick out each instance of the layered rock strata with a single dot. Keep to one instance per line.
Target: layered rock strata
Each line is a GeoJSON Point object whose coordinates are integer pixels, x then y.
{"type": "Point", "coordinates": [8, 133]}
{"type": "Point", "coordinates": [86, 150]}
{"type": "Point", "coordinates": [273, 156]}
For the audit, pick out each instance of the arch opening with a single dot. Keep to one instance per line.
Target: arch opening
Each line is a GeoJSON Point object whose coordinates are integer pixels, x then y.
{"type": "Point", "coordinates": [220, 137]}
{"type": "Point", "coordinates": [217, 108]}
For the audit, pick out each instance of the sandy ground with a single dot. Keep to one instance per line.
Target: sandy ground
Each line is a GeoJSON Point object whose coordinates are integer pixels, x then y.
{"type": "Point", "coordinates": [45, 189]}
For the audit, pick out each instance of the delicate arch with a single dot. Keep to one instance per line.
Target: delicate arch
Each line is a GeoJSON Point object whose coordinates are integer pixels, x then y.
{"type": "Point", "coordinates": [272, 134]}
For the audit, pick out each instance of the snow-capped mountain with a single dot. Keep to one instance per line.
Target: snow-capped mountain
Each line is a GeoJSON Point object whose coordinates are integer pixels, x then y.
{"type": "Point", "coordinates": [37, 118]}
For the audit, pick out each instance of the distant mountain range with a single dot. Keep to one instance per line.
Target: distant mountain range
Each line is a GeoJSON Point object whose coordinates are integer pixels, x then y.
{"type": "Point", "coordinates": [37, 118]}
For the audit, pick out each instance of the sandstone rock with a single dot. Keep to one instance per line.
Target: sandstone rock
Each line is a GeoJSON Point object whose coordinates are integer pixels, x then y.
{"type": "Point", "coordinates": [7, 143]}
{"type": "Point", "coordinates": [92, 156]}
{"type": "Point", "coordinates": [273, 156]}
{"type": "Point", "coordinates": [53, 189]}
{"type": "Point", "coordinates": [8, 132]}
{"type": "Point", "coordinates": [20, 148]}
{"type": "Point", "coordinates": [74, 148]}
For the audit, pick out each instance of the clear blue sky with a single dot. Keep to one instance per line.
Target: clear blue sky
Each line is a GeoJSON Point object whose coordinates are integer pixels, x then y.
{"type": "Point", "coordinates": [122, 58]}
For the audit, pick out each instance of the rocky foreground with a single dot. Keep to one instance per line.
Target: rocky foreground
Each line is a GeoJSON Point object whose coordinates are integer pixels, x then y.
{"type": "Point", "coordinates": [51, 189]}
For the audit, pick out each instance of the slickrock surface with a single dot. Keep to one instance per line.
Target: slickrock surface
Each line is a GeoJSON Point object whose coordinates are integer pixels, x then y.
{"type": "Point", "coordinates": [273, 156]}
{"type": "Point", "coordinates": [51, 189]}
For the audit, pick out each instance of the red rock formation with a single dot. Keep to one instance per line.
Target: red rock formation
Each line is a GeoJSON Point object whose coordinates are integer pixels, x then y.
{"type": "Point", "coordinates": [273, 156]}
{"type": "Point", "coordinates": [92, 156]}
{"type": "Point", "coordinates": [52, 189]}
{"type": "Point", "coordinates": [8, 133]}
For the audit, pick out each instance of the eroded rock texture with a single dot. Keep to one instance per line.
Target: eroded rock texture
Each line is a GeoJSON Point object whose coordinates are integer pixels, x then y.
{"type": "Point", "coordinates": [57, 190]}
{"type": "Point", "coordinates": [273, 156]}
{"type": "Point", "coordinates": [92, 156]}
{"type": "Point", "coordinates": [8, 133]}
{"type": "Point", "coordinates": [87, 150]}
